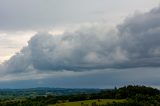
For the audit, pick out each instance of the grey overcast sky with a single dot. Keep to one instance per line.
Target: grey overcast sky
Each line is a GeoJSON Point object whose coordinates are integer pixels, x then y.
{"type": "Point", "coordinates": [79, 43]}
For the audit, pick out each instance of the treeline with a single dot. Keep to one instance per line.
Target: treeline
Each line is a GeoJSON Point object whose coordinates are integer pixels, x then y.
{"type": "Point", "coordinates": [26, 102]}
{"type": "Point", "coordinates": [33, 92]}
{"type": "Point", "coordinates": [134, 95]}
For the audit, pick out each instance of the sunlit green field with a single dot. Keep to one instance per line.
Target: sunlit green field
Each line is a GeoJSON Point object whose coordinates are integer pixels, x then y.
{"type": "Point", "coordinates": [89, 102]}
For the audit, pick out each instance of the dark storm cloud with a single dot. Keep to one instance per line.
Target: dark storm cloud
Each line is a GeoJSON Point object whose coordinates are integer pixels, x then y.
{"type": "Point", "coordinates": [140, 36]}
{"type": "Point", "coordinates": [135, 43]}
{"type": "Point", "coordinates": [108, 78]}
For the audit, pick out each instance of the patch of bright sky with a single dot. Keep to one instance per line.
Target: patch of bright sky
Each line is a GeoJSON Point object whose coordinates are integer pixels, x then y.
{"type": "Point", "coordinates": [11, 43]}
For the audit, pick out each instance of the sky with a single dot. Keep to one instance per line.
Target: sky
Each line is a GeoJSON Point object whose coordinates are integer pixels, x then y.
{"type": "Point", "coordinates": [79, 43]}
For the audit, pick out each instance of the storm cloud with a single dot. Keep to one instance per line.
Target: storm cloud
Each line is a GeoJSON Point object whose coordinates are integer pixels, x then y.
{"type": "Point", "coordinates": [134, 43]}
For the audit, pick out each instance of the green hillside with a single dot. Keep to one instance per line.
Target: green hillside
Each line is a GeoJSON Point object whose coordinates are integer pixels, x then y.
{"type": "Point", "coordinates": [124, 96]}
{"type": "Point", "coordinates": [90, 102]}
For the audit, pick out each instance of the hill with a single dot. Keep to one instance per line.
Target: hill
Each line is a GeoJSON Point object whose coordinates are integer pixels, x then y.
{"type": "Point", "coordinates": [34, 92]}
{"type": "Point", "coordinates": [90, 102]}
{"type": "Point", "coordinates": [124, 96]}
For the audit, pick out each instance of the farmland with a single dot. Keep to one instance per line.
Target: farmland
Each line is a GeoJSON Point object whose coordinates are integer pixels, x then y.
{"type": "Point", "coordinates": [90, 102]}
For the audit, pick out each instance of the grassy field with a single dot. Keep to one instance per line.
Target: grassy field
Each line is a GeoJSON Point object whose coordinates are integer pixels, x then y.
{"type": "Point", "coordinates": [89, 102]}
